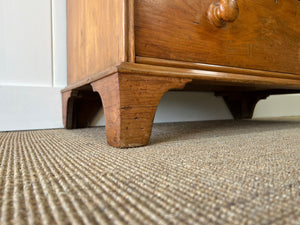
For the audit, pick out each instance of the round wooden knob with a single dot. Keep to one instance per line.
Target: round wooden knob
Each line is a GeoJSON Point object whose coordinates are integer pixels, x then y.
{"type": "Point", "coordinates": [223, 12]}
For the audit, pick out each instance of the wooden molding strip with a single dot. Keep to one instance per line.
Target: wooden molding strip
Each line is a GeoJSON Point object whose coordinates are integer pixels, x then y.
{"type": "Point", "coordinates": [92, 78]}
{"type": "Point", "coordinates": [211, 77]}
{"type": "Point", "coordinates": [216, 68]}
{"type": "Point", "coordinates": [129, 30]}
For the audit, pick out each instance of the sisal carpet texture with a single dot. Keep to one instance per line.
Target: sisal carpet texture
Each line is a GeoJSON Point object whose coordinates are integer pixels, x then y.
{"type": "Point", "coordinates": [221, 172]}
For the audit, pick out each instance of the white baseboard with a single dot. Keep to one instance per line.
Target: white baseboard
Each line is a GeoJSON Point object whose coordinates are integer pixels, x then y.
{"type": "Point", "coordinates": [278, 105]}
{"type": "Point", "coordinates": [26, 108]}
{"type": "Point", "coordinates": [197, 106]}
{"type": "Point", "coordinates": [191, 106]}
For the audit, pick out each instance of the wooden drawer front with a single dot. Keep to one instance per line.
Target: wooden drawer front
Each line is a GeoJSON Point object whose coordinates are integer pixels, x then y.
{"type": "Point", "coordinates": [265, 35]}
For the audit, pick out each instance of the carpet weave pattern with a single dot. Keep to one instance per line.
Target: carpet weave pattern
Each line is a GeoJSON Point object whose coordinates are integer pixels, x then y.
{"type": "Point", "coordinates": [221, 172]}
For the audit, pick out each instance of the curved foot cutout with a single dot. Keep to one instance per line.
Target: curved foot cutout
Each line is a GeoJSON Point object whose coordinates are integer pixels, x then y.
{"type": "Point", "coordinates": [80, 107]}
{"type": "Point", "coordinates": [130, 102]}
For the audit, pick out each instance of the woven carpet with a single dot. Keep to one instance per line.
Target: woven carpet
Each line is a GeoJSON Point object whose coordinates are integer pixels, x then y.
{"type": "Point", "coordinates": [221, 172]}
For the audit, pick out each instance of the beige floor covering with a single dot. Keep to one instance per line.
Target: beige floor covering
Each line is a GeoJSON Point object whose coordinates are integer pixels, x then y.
{"type": "Point", "coordinates": [221, 172]}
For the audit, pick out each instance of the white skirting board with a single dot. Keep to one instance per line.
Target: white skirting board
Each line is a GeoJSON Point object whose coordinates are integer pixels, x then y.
{"type": "Point", "coordinates": [26, 108]}
{"type": "Point", "coordinates": [278, 105]}
{"type": "Point", "coordinates": [199, 106]}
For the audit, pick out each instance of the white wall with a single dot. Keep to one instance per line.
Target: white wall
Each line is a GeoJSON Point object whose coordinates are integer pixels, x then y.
{"type": "Point", "coordinates": [32, 63]}
{"type": "Point", "coordinates": [33, 71]}
{"type": "Point", "coordinates": [25, 43]}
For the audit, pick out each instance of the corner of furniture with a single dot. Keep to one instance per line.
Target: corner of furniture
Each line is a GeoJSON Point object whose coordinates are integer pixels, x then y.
{"type": "Point", "coordinates": [125, 55]}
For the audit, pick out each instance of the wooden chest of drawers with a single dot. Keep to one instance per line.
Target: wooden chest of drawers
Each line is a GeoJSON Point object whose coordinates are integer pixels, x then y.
{"type": "Point", "coordinates": [130, 52]}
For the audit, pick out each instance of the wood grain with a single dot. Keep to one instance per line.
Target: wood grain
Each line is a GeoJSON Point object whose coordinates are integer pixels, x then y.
{"type": "Point", "coordinates": [65, 109]}
{"type": "Point", "coordinates": [129, 30]}
{"type": "Point", "coordinates": [89, 79]}
{"type": "Point", "coordinates": [222, 12]}
{"type": "Point", "coordinates": [95, 37]}
{"type": "Point", "coordinates": [265, 36]}
{"type": "Point", "coordinates": [212, 77]}
{"type": "Point", "coordinates": [217, 68]}
{"type": "Point", "coordinates": [130, 102]}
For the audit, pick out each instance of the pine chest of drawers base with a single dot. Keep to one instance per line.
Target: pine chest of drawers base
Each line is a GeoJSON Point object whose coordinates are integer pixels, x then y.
{"type": "Point", "coordinates": [122, 57]}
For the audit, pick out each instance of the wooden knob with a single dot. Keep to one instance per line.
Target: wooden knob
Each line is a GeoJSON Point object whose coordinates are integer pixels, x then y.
{"type": "Point", "coordinates": [223, 12]}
